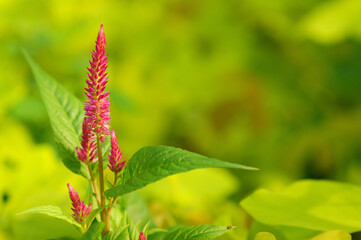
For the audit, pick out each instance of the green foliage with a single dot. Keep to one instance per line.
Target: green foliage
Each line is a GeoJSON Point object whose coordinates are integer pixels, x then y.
{"type": "Point", "coordinates": [307, 206]}
{"type": "Point", "coordinates": [93, 214]}
{"type": "Point", "coordinates": [334, 235]}
{"type": "Point", "coordinates": [137, 210]}
{"type": "Point", "coordinates": [94, 232]}
{"type": "Point", "coordinates": [264, 236]}
{"type": "Point", "coordinates": [153, 163]}
{"type": "Point", "coordinates": [200, 232]}
{"type": "Point", "coordinates": [119, 234]}
{"type": "Point", "coordinates": [55, 212]}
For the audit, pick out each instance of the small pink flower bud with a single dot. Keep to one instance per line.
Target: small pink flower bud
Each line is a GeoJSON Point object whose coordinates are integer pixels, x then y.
{"type": "Point", "coordinates": [141, 236]}
{"type": "Point", "coordinates": [97, 104]}
{"type": "Point", "coordinates": [88, 151]}
{"type": "Point", "coordinates": [79, 208]}
{"type": "Point", "coordinates": [115, 155]}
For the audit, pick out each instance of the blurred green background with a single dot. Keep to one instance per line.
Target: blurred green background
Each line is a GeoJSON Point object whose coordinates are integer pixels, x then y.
{"type": "Point", "coordinates": [272, 84]}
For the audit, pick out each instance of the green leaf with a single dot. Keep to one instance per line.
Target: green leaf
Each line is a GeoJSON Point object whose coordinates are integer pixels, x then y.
{"type": "Point", "coordinates": [93, 214]}
{"type": "Point", "coordinates": [56, 212]}
{"type": "Point", "coordinates": [66, 116]}
{"type": "Point", "coordinates": [152, 163]}
{"type": "Point", "coordinates": [334, 235]}
{"type": "Point", "coordinates": [199, 232]}
{"type": "Point", "coordinates": [282, 232]}
{"type": "Point", "coordinates": [94, 231]}
{"type": "Point", "coordinates": [309, 204]}
{"type": "Point", "coordinates": [120, 234]}
{"type": "Point", "coordinates": [137, 210]}
{"type": "Point", "coordinates": [264, 236]}
{"type": "Point", "coordinates": [132, 232]}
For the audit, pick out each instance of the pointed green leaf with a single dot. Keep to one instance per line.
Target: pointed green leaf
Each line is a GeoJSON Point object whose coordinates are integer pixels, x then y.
{"type": "Point", "coordinates": [152, 163]}
{"type": "Point", "coordinates": [66, 116]}
{"type": "Point", "coordinates": [199, 232]}
{"type": "Point", "coordinates": [264, 236]}
{"type": "Point", "coordinates": [56, 212]}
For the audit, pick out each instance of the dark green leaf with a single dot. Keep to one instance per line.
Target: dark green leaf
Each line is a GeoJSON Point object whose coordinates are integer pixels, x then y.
{"type": "Point", "coordinates": [152, 163]}
{"type": "Point", "coordinates": [66, 116]}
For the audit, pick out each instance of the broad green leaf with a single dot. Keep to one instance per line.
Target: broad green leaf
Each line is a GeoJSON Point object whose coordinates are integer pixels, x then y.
{"type": "Point", "coordinates": [199, 232]}
{"type": "Point", "coordinates": [264, 236]}
{"type": "Point", "coordinates": [152, 163]}
{"type": "Point", "coordinates": [94, 231]}
{"type": "Point", "coordinates": [309, 204]}
{"type": "Point", "coordinates": [66, 116]}
{"type": "Point", "coordinates": [56, 212]}
{"type": "Point", "coordinates": [333, 235]}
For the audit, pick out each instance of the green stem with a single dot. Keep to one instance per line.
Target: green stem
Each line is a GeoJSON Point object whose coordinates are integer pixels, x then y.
{"type": "Point", "coordinates": [113, 200]}
{"type": "Point", "coordinates": [104, 213]}
{"type": "Point", "coordinates": [94, 185]}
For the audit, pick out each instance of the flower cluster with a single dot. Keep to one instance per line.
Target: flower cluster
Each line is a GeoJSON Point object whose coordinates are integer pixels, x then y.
{"type": "Point", "coordinates": [115, 163]}
{"type": "Point", "coordinates": [79, 208]}
{"type": "Point", "coordinates": [97, 104]}
{"type": "Point", "coordinates": [95, 128]}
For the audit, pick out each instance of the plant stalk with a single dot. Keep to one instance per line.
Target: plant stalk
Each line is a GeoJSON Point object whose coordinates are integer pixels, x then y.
{"type": "Point", "coordinates": [104, 212]}
{"type": "Point", "coordinates": [94, 185]}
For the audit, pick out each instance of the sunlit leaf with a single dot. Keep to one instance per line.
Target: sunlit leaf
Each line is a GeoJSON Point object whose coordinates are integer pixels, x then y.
{"type": "Point", "coordinates": [334, 235]}
{"type": "Point", "coordinates": [54, 211]}
{"type": "Point", "coordinates": [264, 236]}
{"type": "Point", "coordinates": [309, 204]}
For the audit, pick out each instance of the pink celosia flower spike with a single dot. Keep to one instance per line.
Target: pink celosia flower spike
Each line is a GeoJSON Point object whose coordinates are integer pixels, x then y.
{"type": "Point", "coordinates": [97, 104]}
{"type": "Point", "coordinates": [115, 155]}
{"type": "Point", "coordinates": [88, 151]}
{"type": "Point", "coordinates": [79, 208]}
{"type": "Point", "coordinates": [141, 236]}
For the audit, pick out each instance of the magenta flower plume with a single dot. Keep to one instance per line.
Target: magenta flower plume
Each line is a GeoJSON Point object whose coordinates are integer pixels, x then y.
{"type": "Point", "coordinates": [79, 208]}
{"type": "Point", "coordinates": [115, 155]}
{"type": "Point", "coordinates": [97, 104]}
{"type": "Point", "coordinates": [141, 236]}
{"type": "Point", "coordinates": [88, 151]}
